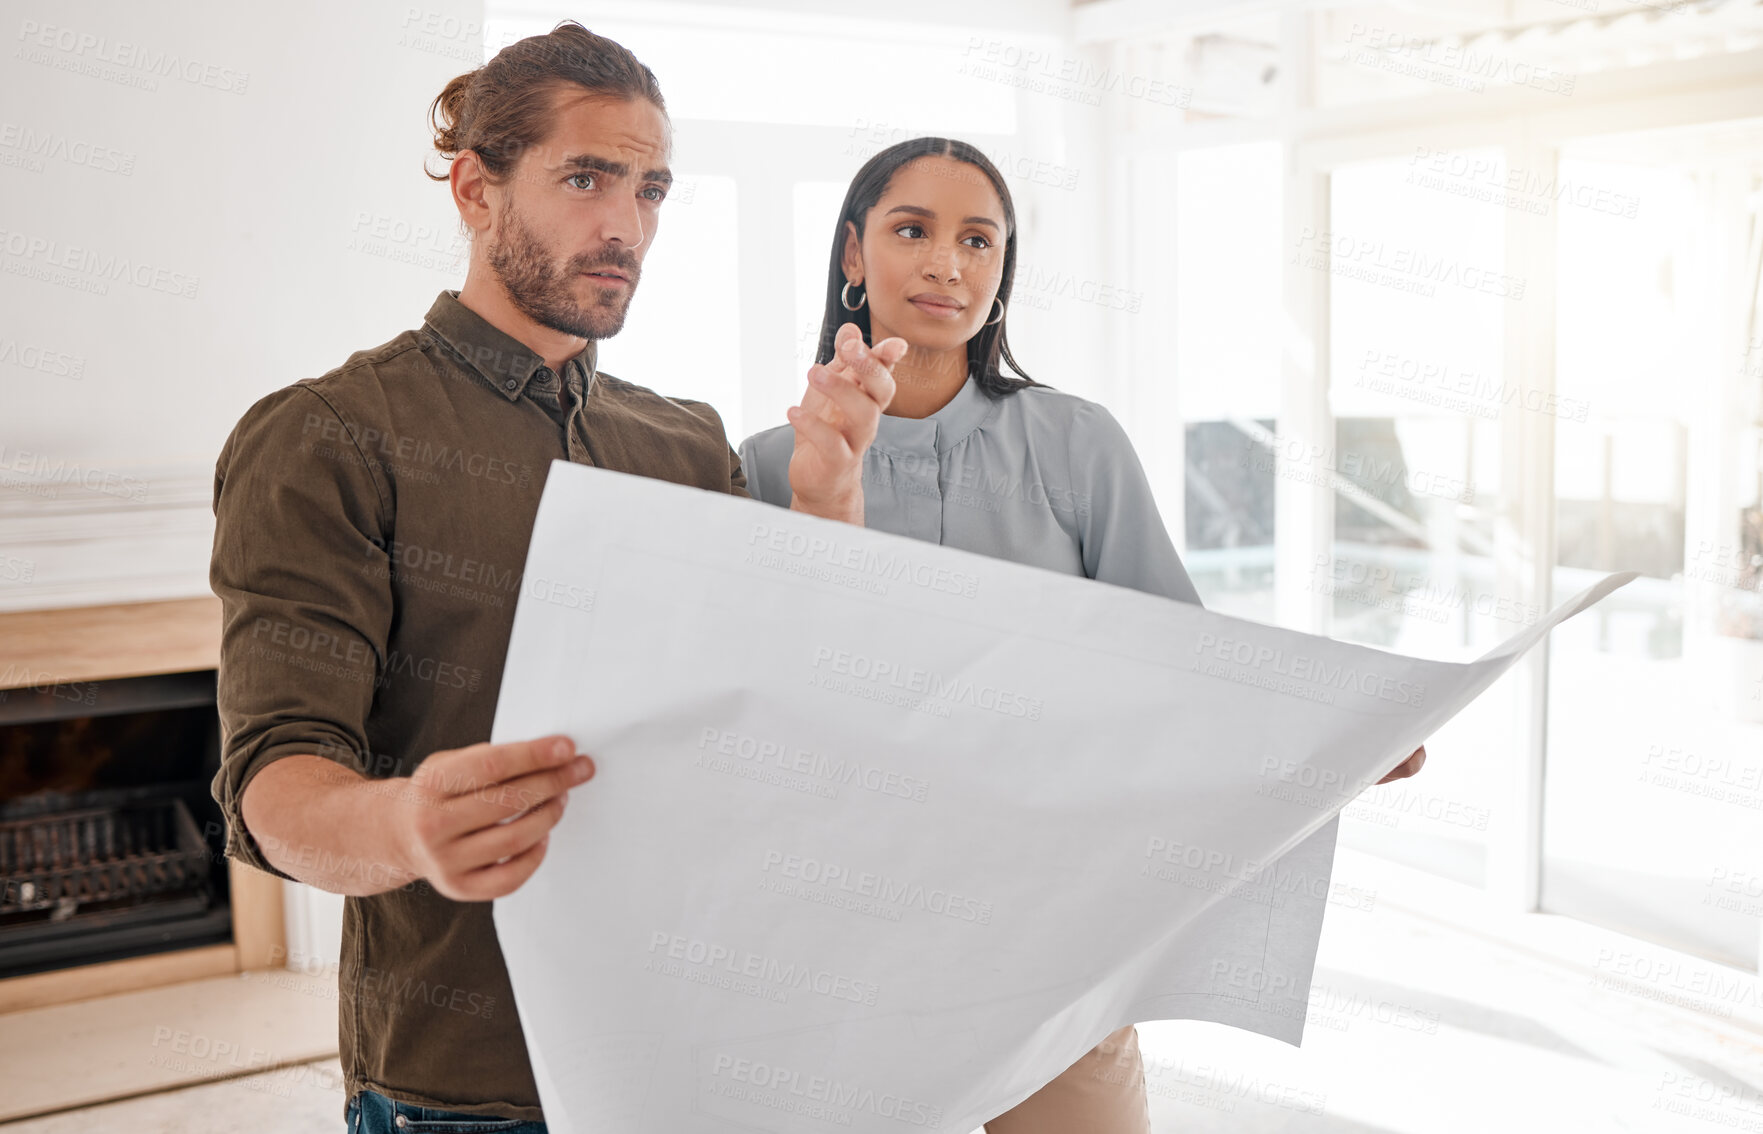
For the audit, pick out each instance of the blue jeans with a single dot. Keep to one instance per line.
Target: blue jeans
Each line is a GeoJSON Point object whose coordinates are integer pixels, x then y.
{"type": "Point", "coordinates": [373, 1113]}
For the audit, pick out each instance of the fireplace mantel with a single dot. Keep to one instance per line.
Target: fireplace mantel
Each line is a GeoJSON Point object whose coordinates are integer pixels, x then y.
{"type": "Point", "coordinates": [97, 643]}
{"type": "Point", "coordinates": [44, 648]}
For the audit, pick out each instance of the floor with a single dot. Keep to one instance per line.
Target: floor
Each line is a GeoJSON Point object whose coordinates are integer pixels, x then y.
{"type": "Point", "coordinates": [1418, 1026]}
{"type": "Point", "coordinates": [154, 1041]}
{"type": "Point", "coordinates": [1444, 1033]}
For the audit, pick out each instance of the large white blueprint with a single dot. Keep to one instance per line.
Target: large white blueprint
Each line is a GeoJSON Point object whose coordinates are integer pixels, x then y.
{"type": "Point", "coordinates": [885, 835]}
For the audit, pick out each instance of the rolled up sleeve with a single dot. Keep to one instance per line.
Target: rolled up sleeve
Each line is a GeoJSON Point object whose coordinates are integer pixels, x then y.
{"type": "Point", "coordinates": [301, 568]}
{"type": "Point", "coordinates": [1121, 533]}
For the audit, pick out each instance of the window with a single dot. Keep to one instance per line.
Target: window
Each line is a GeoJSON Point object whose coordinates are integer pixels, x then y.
{"type": "Point", "coordinates": [1225, 235]}
{"type": "Point", "coordinates": [1417, 297]}
{"type": "Point", "coordinates": [682, 337]}
{"type": "Point", "coordinates": [763, 164]}
{"type": "Point", "coordinates": [1655, 730]}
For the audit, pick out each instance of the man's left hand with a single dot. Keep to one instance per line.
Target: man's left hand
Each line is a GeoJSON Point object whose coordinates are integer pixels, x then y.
{"type": "Point", "coordinates": [1407, 767]}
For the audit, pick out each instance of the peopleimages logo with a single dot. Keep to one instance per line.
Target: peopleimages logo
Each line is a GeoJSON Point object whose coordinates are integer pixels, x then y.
{"type": "Point", "coordinates": [722, 744]}
{"type": "Point", "coordinates": [784, 973]}
{"type": "Point", "coordinates": [1352, 254]}
{"type": "Point", "coordinates": [886, 566]}
{"type": "Point", "coordinates": [56, 364]}
{"type": "Point", "coordinates": [1068, 76]}
{"type": "Point", "coordinates": [844, 1097]}
{"type": "Point", "coordinates": [869, 884]}
{"type": "Point", "coordinates": [44, 475]}
{"type": "Point", "coordinates": [1699, 986]}
{"type": "Point", "coordinates": [418, 450]}
{"type": "Point", "coordinates": [1271, 664]}
{"type": "Point", "coordinates": [48, 255]}
{"type": "Point", "coordinates": [31, 145]}
{"type": "Point", "coordinates": [92, 50]}
{"type": "Point", "coordinates": [928, 683]}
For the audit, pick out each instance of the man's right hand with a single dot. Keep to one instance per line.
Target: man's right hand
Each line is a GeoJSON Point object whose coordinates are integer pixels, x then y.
{"type": "Point", "coordinates": [471, 821]}
{"type": "Point", "coordinates": [476, 820]}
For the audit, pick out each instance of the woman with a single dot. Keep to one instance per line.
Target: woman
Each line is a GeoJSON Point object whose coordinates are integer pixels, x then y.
{"type": "Point", "coordinates": [970, 457]}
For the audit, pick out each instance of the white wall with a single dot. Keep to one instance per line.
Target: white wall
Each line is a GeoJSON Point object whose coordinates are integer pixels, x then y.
{"type": "Point", "coordinates": [1048, 17]}
{"type": "Point", "coordinates": [998, 74]}
{"type": "Point", "coordinates": [268, 164]}
{"type": "Point", "coordinates": [224, 198]}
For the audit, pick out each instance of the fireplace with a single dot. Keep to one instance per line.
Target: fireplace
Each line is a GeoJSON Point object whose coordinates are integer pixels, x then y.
{"type": "Point", "coordinates": [110, 844]}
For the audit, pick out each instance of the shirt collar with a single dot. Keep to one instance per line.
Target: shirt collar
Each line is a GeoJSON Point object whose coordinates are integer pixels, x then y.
{"type": "Point", "coordinates": [503, 361]}
{"type": "Point", "coordinates": [942, 430]}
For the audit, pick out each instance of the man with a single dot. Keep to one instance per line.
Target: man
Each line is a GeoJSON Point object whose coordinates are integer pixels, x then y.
{"type": "Point", "coordinates": [371, 527]}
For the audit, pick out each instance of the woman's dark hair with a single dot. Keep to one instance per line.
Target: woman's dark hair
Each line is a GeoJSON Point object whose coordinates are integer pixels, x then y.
{"type": "Point", "coordinates": [504, 107]}
{"type": "Point", "coordinates": [990, 345]}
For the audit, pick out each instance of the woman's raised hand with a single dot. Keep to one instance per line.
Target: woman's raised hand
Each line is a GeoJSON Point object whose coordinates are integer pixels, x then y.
{"type": "Point", "coordinates": [836, 422]}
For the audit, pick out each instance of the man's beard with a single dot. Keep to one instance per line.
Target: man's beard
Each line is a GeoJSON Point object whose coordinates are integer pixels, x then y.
{"type": "Point", "coordinates": [545, 292]}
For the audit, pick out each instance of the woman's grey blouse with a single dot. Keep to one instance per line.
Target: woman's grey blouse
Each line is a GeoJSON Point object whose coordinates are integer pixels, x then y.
{"type": "Point", "coordinates": [1037, 476]}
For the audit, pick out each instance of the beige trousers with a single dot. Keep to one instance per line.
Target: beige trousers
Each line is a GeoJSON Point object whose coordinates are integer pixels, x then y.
{"type": "Point", "coordinates": [1102, 1093]}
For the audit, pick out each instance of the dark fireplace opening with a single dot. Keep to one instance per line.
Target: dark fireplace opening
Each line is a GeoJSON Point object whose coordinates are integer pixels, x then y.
{"type": "Point", "coordinates": [110, 843]}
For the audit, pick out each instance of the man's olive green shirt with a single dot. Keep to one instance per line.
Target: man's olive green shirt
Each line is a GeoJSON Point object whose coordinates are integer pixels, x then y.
{"type": "Point", "coordinates": [370, 537]}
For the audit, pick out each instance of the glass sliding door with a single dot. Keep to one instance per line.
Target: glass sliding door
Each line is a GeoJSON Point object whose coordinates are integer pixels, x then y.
{"type": "Point", "coordinates": [1226, 347]}
{"type": "Point", "coordinates": [1418, 305]}
{"type": "Point", "coordinates": [1653, 797]}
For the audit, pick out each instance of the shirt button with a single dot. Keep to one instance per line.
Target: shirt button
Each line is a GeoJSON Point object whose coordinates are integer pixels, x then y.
{"type": "Point", "coordinates": [511, 384]}
{"type": "Point", "coordinates": [400, 1122]}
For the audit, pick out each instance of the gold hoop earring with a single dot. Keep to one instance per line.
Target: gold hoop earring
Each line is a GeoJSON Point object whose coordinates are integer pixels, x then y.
{"type": "Point", "coordinates": [845, 297]}
{"type": "Point", "coordinates": [1000, 318]}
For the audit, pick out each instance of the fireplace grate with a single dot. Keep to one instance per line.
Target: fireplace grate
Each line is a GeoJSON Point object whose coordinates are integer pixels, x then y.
{"type": "Point", "coordinates": [99, 857]}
